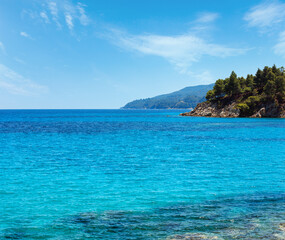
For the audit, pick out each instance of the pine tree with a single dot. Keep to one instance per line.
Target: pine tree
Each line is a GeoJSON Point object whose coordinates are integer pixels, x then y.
{"type": "Point", "coordinates": [210, 95]}
{"type": "Point", "coordinates": [233, 86]}
{"type": "Point", "coordinates": [250, 81]}
{"type": "Point", "coordinates": [280, 85]}
{"type": "Point", "coordinates": [258, 78]}
{"type": "Point", "coordinates": [269, 76]}
{"type": "Point", "coordinates": [270, 89]}
{"type": "Point", "coordinates": [219, 88]}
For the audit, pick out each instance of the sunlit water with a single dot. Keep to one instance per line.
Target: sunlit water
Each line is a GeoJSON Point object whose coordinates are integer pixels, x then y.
{"type": "Point", "coordinates": [102, 174]}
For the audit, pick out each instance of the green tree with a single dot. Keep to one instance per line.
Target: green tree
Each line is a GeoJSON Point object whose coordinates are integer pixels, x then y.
{"type": "Point", "coordinates": [252, 101]}
{"type": "Point", "coordinates": [270, 89]}
{"type": "Point", "coordinates": [274, 69]}
{"type": "Point", "coordinates": [242, 83]}
{"type": "Point", "coordinates": [280, 85]}
{"type": "Point", "coordinates": [266, 74]}
{"type": "Point", "coordinates": [258, 78]}
{"type": "Point", "coordinates": [210, 95]}
{"type": "Point", "coordinates": [244, 108]}
{"type": "Point", "coordinates": [219, 88]}
{"type": "Point", "coordinates": [233, 86]}
{"type": "Point", "coordinates": [270, 76]}
{"type": "Point", "coordinates": [250, 81]}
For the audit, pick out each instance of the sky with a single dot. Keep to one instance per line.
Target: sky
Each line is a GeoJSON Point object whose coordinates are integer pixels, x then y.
{"type": "Point", "coordinates": [101, 54]}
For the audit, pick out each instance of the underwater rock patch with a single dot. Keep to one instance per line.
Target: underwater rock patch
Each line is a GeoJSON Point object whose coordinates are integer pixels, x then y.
{"type": "Point", "coordinates": [192, 236]}
{"type": "Point", "coordinates": [282, 226]}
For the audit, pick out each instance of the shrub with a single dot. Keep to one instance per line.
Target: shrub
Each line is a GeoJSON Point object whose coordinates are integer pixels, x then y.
{"type": "Point", "coordinates": [244, 109]}
{"type": "Point", "coordinates": [210, 95]}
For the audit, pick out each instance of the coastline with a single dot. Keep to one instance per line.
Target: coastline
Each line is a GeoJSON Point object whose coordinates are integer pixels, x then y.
{"type": "Point", "coordinates": [230, 110]}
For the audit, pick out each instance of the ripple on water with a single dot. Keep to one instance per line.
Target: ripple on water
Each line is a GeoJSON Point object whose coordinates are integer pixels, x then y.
{"type": "Point", "coordinates": [61, 171]}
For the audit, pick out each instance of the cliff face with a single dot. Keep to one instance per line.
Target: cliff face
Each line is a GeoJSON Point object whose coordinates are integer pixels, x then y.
{"type": "Point", "coordinates": [230, 110]}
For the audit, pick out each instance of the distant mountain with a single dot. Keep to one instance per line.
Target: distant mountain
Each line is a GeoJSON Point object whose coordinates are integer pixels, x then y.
{"type": "Point", "coordinates": [187, 97]}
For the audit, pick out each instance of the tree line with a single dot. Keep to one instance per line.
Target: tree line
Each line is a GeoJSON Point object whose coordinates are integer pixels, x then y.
{"type": "Point", "coordinates": [267, 85]}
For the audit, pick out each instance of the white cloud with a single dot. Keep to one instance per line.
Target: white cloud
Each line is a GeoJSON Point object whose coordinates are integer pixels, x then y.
{"type": "Point", "coordinates": [207, 17]}
{"type": "Point", "coordinates": [2, 48]}
{"type": "Point", "coordinates": [53, 11]}
{"type": "Point", "coordinates": [180, 50]}
{"type": "Point", "coordinates": [269, 16]}
{"type": "Point", "coordinates": [65, 8]}
{"type": "Point", "coordinates": [68, 20]}
{"type": "Point", "coordinates": [17, 84]}
{"type": "Point", "coordinates": [204, 77]}
{"type": "Point", "coordinates": [279, 48]}
{"type": "Point", "coordinates": [204, 22]}
{"type": "Point", "coordinates": [74, 12]}
{"type": "Point", "coordinates": [266, 15]}
{"type": "Point", "coordinates": [45, 17]}
{"type": "Point", "coordinates": [84, 20]}
{"type": "Point", "coordinates": [60, 12]}
{"type": "Point", "coordinates": [26, 35]}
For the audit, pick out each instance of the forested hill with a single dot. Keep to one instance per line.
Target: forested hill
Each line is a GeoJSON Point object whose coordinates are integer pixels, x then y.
{"type": "Point", "coordinates": [187, 97]}
{"type": "Point", "coordinates": [259, 95]}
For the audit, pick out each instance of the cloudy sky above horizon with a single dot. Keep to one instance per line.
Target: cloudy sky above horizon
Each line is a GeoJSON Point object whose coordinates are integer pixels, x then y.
{"type": "Point", "coordinates": [105, 53]}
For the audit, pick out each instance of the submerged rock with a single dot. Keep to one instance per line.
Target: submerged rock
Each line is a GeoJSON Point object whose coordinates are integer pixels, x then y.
{"type": "Point", "coordinates": [85, 217]}
{"type": "Point", "coordinates": [282, 226]}
{"type": "Point", "coordinates": [192, 236]}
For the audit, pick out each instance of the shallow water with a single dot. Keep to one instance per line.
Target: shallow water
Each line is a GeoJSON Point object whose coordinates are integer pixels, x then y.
{"type": "Point", "coordinates": [117, 174]}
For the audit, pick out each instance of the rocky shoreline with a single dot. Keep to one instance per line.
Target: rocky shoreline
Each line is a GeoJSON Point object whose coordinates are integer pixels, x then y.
{"type": "Point", "coordinates": [230, 110]}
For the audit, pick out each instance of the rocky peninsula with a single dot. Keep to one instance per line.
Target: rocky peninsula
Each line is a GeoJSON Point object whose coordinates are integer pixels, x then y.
{"type": "Point", "coordinates": [257, 96]}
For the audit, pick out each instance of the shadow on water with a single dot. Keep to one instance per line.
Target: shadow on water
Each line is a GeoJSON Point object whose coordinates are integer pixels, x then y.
{"type": "Point", "coordinates": [256, 216]}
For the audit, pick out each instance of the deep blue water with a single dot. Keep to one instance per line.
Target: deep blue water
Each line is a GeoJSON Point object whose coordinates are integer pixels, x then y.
{"type": "Point", "coordinates": [119, 174]}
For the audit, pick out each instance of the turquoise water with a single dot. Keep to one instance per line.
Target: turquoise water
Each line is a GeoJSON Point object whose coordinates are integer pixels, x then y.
{"type": "Point", "coordinates": [118, 174]}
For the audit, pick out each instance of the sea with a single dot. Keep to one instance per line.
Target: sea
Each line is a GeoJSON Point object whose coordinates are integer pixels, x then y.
{"type": "Point", "coordinates": [140, 174]}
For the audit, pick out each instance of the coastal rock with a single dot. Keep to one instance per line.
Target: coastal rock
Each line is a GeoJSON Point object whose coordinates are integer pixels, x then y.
{"type": "Point", "coordinates": [270, 110]}
{"type": "Point", "coordinates": [208, 109]}
{"type": "Point", "coordinates": [261, 113]}
{"type": "Point", "coordinates": [230, 110]}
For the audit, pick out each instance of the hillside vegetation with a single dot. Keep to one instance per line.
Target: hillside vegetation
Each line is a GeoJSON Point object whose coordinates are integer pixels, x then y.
{"type": "Point", "coordinates": [259, 95]}
{"type": "Point", "coordinates": [187, 97]}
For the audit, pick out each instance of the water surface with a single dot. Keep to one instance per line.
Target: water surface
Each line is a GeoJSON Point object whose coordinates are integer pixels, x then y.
{"type": "Point", "coordinates": [120, 174]}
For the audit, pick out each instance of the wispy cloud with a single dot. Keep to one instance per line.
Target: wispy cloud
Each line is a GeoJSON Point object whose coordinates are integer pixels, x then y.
{"type": "Point", "coordinates": [26, 35]}
{"type": "Point", "coordinates": [17, 84]}
{"type": "Point", "coordinates": [269, 17]}
{"type": "Point", "coordinates": [265, 15]}
{"type": "Point", "coordinates": [82, 15]}
{"type": "Point", "coordinates": [71, 13]}
{"type": "Point", "coordinates": [204, 22]}
{"type": "Point", "coordinates": [205, 77]}
{"type": "Point", "coordinates": [279, 48]}
{"type": "Point", "coordinates": [179, 50]}
{"type": "Point", "coordinates": [53, 8]}
{"type": "Point", "coordinates": [207, 17]}
{"type": "Point", "coordinates": [68, 19]}
{"type": "Point", "coordinates": [60, 12]}
{"type": "Point", "coordinates": [2, 48]}
{"type": "Point", "coordinates": [45, 17]}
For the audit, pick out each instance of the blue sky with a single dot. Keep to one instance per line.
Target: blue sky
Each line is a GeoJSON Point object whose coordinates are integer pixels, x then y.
{"type": "Point", "coordinates": [105, 53]}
